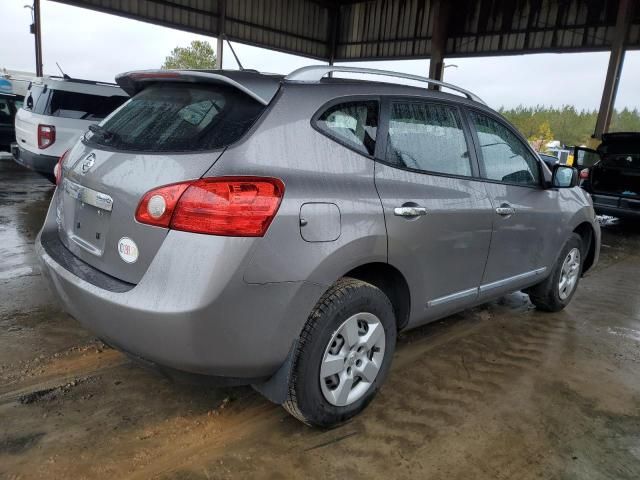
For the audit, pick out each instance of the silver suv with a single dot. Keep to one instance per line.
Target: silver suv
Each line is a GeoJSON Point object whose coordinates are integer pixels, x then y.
{"type": "Point", "coordinates": [279, 231]}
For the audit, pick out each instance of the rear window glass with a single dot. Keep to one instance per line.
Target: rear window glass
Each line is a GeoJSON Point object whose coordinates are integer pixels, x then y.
{"type": "Point", "coordinates": [178, 118]}
{"type": "Point", "coordinates": [82, 106]}
{"type": "Point", "coordinates": [64, 104]}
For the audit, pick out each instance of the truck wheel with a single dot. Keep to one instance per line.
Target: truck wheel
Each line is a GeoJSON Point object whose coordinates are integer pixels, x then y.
{"type": "Point", "coordinates": [556, 291]}
{"type": "Point", "coordinates": [343, 354]}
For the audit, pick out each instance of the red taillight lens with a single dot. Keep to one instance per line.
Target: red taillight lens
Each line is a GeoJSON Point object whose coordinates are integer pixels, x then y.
{"type": "Point", "coordinates": [228, 206]}
{"type": "Point", "coordinates": [584, 174]}
{"type": "Point", "coordinates": [57, 170]}
{"type": "Point", "coordinates": [46, 135]}
{"type": "Point", "coordinates": [146, 213]}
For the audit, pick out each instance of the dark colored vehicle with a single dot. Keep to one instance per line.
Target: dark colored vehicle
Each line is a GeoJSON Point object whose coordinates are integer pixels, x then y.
{"type": "Point", "coordinates": [9, 105]}
{"type": "Point", "coordinates": [611, 174]}
{"type": "Point", "coordinates": [550, 160]}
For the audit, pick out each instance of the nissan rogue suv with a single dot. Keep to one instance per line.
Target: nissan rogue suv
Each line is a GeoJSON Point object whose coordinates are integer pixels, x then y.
{"type": "Point", "coordinates": [280, 231]}
{"type": "Point", "coordinates": [55, 112]}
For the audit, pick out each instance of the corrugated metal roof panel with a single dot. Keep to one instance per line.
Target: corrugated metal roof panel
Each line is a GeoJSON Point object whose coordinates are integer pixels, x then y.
{"type": "Point", "coordinates": [378, 29]}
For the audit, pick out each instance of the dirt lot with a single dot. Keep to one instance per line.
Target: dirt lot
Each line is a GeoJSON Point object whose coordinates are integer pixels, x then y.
{"type": "Point", "coordinates": [497, 392]}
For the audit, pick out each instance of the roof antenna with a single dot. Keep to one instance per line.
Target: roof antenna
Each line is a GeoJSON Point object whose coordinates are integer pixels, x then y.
{"type": "Point", "coordinates": [234, 53]}
{"type": "Point", "coordinates": [64, 75]}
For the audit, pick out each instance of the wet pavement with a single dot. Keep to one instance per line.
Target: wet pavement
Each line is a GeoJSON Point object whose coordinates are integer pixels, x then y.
{"type": "Point", "coordinates": [498, 392]}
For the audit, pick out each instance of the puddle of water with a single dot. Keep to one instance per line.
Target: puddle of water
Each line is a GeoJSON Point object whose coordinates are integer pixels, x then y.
{"type": "Point", "coordinates": [625, 332]}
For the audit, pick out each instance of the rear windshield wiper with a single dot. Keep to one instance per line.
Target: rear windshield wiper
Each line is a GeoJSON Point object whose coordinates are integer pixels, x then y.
{"type": "Point", "coordinates": [99, 130]}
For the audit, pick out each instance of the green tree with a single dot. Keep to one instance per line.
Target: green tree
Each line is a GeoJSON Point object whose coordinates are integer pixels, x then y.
{"type": "Point", "coordinates": [569, 126]}
{"type": "Point", "coordinates": [542, 136]}
{"type": "Point", "coordinates": [198, 56]}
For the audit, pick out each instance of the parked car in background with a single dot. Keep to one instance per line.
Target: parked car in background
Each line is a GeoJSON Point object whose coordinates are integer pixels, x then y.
{"type": "Point", "coordinates": [279, 232]}
{"type": "Point", "coordinates": [56, 111]}
{"type": "Point", "coordinates": [564, 155]}
{"type": "Point", "coordinates": [611, 174]}
{"type": "Point", "coordinates": [9, 105]}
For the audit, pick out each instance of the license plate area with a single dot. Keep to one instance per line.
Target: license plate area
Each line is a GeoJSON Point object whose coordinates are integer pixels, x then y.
{"type": "Point", "coordinates": [84, 215]}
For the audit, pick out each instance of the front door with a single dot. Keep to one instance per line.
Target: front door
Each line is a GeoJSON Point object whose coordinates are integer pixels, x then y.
{"type": "Point", "coordinates": [524, 241]}
{"type": "Point", "coordinates": [437, 213]}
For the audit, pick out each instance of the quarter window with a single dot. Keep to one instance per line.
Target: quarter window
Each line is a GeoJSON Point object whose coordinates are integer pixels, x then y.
{"type": "Point", "coordinates": [504, 156]}
{"type": "Point", "coordinates": [353, 123]}
{"type": "Point", "coordinates": [427, 137]}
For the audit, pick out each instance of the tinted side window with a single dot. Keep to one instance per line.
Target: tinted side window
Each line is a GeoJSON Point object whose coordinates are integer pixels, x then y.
{"type": "Point", "coordinates": [354, 123]}
{"type": "Point", "coordinates": [42, 103]}
{"type": "Point", "coordinates": [504, 156]}
{"type": "Point", "coordinates": [82, 105]}
{"type": "Point", "coordinates": [427, 137]}
{"type": "Point", "coordinates": [32, 97]}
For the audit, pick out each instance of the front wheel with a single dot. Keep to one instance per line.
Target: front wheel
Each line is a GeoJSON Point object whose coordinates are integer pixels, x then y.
{"type": "Point", "coordinates": [343, 354]}
{"type": "Point", "coordinates": [556, 291]}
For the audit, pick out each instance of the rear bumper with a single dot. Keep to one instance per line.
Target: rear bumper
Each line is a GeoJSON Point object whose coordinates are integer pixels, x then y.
{"type": "Point", "coordinates": [35, 161]}
{"type": "Point", "coordinates": [184, 316]}
{"type": "Point", "coordinates": [616, 206]}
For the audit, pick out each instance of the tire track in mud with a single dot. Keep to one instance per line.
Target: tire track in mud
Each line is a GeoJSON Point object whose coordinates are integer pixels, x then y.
{"type": "Point", "coordinates": [423, 397]}
{"type": "Point", "coordinates": [422, 400]}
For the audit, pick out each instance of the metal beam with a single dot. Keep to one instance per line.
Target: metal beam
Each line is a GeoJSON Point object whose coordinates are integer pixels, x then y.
{"type": "Point", "coordinates": [222, 5]}
{"type": "Point", "coordinates": [38, 37]}
{"type": "Point", "coordinates": [332, 31]}
{"type": "Point", "coordinates": [616, 60]}
{"type": "Point", "coordinates": [440, 19]}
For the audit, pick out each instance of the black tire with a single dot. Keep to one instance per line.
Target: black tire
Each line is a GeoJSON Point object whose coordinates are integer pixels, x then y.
{"type": "Point", "coordinates": [546, 295]}
{"type": "Point", "coordinates": [347, 297]}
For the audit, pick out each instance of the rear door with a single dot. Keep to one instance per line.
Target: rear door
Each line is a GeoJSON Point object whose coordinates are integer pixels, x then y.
{"type": "Point", "coordinates": [526, 217]}
{"type": "Point", "coordinates": [166, 134]}
{"type": "Point", "coordinates": [437, 213]}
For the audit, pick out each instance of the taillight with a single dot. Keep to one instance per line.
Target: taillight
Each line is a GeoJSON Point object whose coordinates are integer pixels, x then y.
{"type": "Point", "coordinates": [584, 174]}
{"type": "Point", "coordinates": [46, 135]}
{"type": "Point", "coordinates": [228, 206]}
{"type": "Point", "coordinates": [148, 211]}
{"type": "Point", "coordinates": [57, 170]}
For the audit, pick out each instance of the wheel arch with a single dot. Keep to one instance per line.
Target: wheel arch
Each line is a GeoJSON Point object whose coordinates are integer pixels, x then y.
{"type": "Point", "coordinates": [392, 283]}
{"type": "Point", "coordinates": [586, 231]}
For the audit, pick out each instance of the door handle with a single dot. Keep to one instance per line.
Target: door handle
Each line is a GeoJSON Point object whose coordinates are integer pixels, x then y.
{"type": "Point", "coordinates": [505, 210]}
{"type": "Point", "coordinates": [409, 211]}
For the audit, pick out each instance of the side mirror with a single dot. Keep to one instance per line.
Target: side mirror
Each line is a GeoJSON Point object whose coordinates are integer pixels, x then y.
{"type": "Point", "coordinates": [585, 157]}
{"type": "Point", "coordinates": [564, 177]}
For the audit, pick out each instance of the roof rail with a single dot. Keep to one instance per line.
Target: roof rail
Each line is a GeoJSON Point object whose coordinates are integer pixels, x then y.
{"type": "Point", "coordinates": [315, 73]}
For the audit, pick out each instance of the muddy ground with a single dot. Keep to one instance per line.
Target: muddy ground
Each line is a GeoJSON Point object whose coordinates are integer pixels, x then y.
{"type": "Point", "coordinates": [497, 392]}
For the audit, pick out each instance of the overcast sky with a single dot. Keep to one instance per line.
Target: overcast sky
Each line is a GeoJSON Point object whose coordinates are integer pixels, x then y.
{"type": "Point", "coordinates": [98, 46]}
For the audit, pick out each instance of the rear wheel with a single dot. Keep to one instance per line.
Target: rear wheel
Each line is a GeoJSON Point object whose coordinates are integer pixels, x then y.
{"type": "Point", "coordinates": [343, 354]}
{"type": "Point", "coordinates": [556, 291]}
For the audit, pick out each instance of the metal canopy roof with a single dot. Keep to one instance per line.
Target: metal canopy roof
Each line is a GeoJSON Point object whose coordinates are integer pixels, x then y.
{"type": "Point", "coordinates": [342, 30]}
